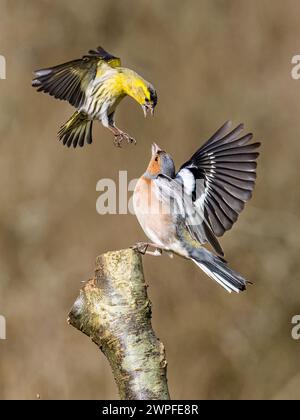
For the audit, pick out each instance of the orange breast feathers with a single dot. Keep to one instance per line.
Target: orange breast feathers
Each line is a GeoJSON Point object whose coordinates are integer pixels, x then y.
{"type": "Point", "coordinates": [154, 166]}
{"type": "Point", "coordinates": [153, 215]}
{"type": "Point", "coordinates": [146, 202]}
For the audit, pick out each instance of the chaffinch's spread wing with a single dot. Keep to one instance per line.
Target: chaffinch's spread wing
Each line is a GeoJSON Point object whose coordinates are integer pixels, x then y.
{"type": "Point", "coordinates": [173, 193]}
{"type": "Point", "coordinates": [226, 168]}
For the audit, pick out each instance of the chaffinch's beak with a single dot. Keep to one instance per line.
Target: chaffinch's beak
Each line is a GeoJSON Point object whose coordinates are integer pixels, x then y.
{"type": "Point", "coordinates": [155, 149]}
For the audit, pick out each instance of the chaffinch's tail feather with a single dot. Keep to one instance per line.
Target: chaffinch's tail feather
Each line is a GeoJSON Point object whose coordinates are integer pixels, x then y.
{"type": "Point", "coordinates": [217, 269]}
{"type": "Point", "coordinates": [77, 130]}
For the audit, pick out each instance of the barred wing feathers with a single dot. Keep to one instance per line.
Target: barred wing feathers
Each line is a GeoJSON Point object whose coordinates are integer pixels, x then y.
{"type": "Point", "coordinates": [69, 81]}
{"type": "Point", "coordinates": [226, 165]}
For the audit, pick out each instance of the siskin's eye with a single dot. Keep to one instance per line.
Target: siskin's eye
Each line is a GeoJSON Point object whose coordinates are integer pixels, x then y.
{"type": "Point", "coordinates": [146, 100]}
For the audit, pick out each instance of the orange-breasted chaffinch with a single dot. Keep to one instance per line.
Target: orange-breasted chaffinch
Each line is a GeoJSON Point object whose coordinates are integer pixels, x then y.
{"type": "Point", "coordinates": [181, 211]}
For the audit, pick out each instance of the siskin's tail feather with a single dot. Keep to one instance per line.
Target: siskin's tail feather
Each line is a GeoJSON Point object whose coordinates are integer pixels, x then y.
{"type": "Point", "coordinates": [77, 130]}
{"type": "Point", "coordinates": [217, 269]}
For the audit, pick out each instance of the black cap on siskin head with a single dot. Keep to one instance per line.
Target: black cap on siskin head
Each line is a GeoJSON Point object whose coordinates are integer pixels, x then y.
{"type": "Point", "coordinates": [153, 96]}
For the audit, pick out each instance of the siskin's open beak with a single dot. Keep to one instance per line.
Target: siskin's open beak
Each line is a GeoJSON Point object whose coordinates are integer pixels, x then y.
{"type": "Point", "coordinates": [155, 149]}
{"type": "Point", "coordinates": [147, 107]}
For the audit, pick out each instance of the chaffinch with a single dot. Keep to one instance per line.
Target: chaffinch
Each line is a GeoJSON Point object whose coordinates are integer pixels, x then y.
{"type": "Point", "coordinates": [181, 211]}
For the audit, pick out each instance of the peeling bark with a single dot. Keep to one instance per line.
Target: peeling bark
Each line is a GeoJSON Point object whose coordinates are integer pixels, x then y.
{"type": "Point", "coordinates": [113, 309]}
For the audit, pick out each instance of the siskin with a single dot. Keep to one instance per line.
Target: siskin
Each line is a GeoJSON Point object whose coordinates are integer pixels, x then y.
{"type": "Point", "coordinates": [94, 85]}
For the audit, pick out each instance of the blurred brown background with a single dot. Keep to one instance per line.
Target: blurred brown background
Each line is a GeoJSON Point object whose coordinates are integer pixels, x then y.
{"type": "Point", "coordinates": [210, 61]}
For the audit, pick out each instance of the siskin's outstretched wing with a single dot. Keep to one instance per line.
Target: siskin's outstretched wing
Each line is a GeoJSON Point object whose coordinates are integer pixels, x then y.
{"type": "Point", "coordinates": [220, 176]}
{"type": "Point", "coordinates": [69, 81]}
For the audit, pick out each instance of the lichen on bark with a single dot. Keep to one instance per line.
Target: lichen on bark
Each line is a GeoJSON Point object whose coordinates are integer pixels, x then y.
{"type": "Point", "coordinates": [114, 310]}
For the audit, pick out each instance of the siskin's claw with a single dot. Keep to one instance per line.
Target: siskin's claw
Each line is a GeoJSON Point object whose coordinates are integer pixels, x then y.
{"type": "Point", "coordinates": [123, 136]}
{"type": "Point", "coordinates": [131, 140]}
{"type": "Point", "coordinates": [118, 140]}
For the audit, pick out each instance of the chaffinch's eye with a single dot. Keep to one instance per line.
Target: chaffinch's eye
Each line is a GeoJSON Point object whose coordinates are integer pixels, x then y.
{"type": "Point", "coordinates": [156, 159]}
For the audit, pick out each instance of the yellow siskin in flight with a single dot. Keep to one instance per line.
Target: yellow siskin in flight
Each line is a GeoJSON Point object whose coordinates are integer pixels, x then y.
{"type": "Point", "coordinates": [94, 84]}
